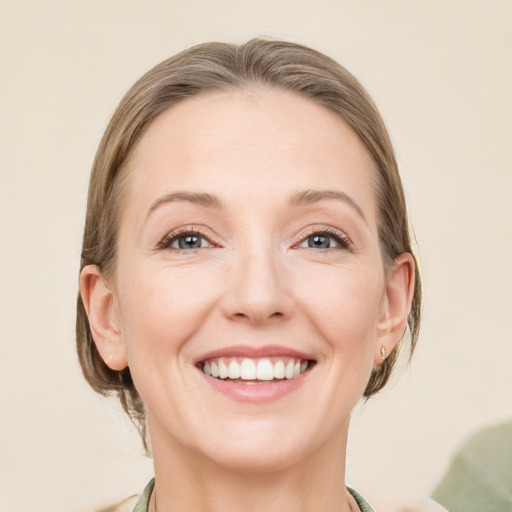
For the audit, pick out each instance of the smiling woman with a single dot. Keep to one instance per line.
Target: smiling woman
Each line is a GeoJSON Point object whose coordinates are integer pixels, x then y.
{"type": "Point", "coordinates": [247, 274]}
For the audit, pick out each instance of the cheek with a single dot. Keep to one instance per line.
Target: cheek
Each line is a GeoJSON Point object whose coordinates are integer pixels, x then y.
{"type": "Point", "coordinates": [347, 319]}
{"type": "Point", "coordinates": [162, 308]}
{"type": "Point", "coordinates": [344, 304]}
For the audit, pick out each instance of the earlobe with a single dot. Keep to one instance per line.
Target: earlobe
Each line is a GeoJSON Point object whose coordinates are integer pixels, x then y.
{"type": "Point", "coordinates": [396, 306]}
{"type": "Point", "coordinates": [100, 304]}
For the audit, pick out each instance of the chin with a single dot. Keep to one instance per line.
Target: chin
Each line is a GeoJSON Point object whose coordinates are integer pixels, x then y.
{"type": "Point", "coordinates": [268, 451]}
{"type": "Point", "coordinates": [258, 460]}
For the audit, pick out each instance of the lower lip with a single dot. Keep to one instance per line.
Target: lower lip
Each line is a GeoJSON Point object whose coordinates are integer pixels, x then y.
{"type": "Point", "coordinates": [256, 393]}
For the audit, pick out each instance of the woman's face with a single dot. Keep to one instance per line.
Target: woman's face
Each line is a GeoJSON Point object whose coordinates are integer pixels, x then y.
{"type": "Point", "coordinates": [248, 243]}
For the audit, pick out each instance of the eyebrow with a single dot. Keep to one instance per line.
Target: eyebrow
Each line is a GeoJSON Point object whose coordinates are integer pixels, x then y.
{"type": "Point", "coordinates": [203, 199]}
{"type": "Point", "coordinates": [301, 199]}
{"type": "Point", "coordinates": [314, 196]}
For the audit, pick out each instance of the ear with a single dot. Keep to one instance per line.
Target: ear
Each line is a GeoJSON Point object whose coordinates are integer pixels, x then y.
{"type": "Point", "coordinates": [396, 305]}
{"type": "Point", "coordinates": [102, 310]}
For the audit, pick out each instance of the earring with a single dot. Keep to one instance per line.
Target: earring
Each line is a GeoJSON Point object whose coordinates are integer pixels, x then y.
{"type": "Point", "coordinates": [383, 352]}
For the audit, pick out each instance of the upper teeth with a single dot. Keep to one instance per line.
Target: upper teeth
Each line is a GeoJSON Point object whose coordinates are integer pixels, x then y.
{"type": "Point", "coordinates": [254, 369]}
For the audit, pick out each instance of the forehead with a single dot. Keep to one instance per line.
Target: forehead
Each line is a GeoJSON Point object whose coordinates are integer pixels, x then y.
{"type": "Point", "coordinates": [249, 141]}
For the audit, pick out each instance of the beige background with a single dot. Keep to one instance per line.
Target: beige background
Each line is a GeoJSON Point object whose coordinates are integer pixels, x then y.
{"type": "Point", "coordinates": [440, 72]}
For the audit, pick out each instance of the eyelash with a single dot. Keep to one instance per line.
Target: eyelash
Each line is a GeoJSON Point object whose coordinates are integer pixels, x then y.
{"type": "Point", "coordinates": [168, 240]}
{"type": "Point", "coordinates": [341, 239]}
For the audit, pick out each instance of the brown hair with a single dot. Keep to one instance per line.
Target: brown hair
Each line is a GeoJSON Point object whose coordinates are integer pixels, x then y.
{"type": "Point", "coordinates": [219, 66]}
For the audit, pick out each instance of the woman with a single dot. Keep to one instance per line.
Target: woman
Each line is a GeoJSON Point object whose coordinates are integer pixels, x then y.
{"type": "Point", "coordinates": [247, 274]}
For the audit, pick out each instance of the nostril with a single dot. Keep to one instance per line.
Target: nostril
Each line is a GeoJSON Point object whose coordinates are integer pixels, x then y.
{"type": "Point", "coordinates": [258, 317]}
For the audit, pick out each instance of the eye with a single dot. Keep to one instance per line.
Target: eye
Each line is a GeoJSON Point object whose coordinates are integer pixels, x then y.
{"type": "Point", "coordinates": [326, 239]}
{"type": "Point", "coordinates": [185, 241]}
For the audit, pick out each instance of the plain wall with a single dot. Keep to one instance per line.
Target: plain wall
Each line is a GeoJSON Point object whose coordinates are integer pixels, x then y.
{"type": "Point", "coordinates": [441, 73]}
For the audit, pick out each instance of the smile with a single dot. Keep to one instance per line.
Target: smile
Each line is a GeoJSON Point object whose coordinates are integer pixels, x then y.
{"type": "Point", "coordinates": [254, 371]}
{"type": "Point", "coordinates": [255, 374]}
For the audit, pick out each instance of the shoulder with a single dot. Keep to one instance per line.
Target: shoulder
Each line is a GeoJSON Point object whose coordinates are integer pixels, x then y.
{"type": "Point", "coordinates": [133, 503]}
{"type": "Point", "coordinates": [361, 502]}
{"type": "Point", "coordinates": [123, 506]}
{"type": "Point", "coordinates": [142, 504]}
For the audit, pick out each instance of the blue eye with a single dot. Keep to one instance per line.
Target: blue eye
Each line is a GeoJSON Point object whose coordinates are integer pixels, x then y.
{"type": "Point", "coordinates": [325, 240]}
{"type": "Point", "coordinates": [320, 241]}
{"type": "Point", "coordinates": [189, 242]}
{"type": "Point", "coordinates": [185, 241]}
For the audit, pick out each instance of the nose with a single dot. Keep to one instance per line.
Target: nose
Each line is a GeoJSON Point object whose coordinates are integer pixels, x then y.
{"type": "Point", "coordinates": [257, 291]}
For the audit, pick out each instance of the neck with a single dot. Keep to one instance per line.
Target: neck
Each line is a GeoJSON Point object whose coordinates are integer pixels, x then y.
{"type": "Point", "coordinates": [186, 481]}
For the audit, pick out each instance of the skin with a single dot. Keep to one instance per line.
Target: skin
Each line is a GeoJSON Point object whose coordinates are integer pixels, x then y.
{"type": "Point", "coordinates": [255, 282]}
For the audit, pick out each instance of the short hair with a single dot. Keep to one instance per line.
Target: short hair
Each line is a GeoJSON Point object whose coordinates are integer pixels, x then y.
{"type": "Point", "coordinates": [211, 67]}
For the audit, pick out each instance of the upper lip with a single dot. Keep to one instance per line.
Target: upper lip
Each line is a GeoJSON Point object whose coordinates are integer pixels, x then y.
{"type": "Point", "coordinates": [254, 352]}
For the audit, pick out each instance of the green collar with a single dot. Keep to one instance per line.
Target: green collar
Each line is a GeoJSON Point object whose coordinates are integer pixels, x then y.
{"type": "Point", "coordinates": [143, 503]}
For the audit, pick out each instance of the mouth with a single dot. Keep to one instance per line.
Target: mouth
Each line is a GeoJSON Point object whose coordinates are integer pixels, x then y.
{"type": "Point", "coordinates": [255, 374]}
{"type": "Point", "coordinates": [251, 371]}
